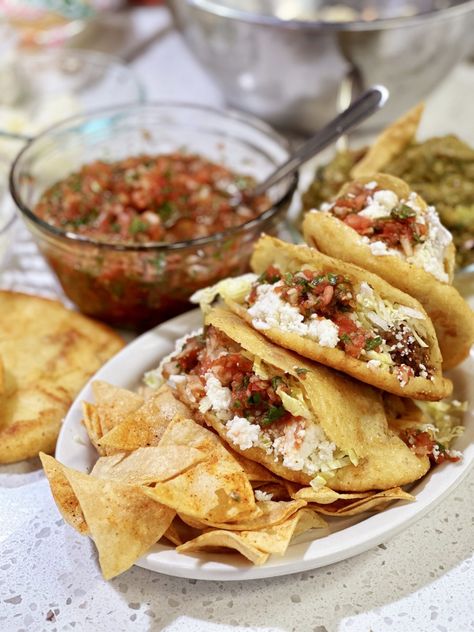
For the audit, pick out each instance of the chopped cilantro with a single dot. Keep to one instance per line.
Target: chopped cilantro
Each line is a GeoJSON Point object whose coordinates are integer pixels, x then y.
{"type": "Point", "coordinates": [165, 211]}
{"type": "Point", "coordinates": [276, 381]}
{"type": "Point", "coordinates": [273, 414]}
{"type": "Point", "coordinates": [301, 371]}
{"type": "Point", "coordinates": [373, 343]}
{"type": "Point", "coordinates": [346, 338]}
{"type": "Point", "coordinates": [255, 398]}
{"type": "Point", "coordinates": [332, 278]}
{"type": "Point", "coordinates": [403, 211]}
{"type": "Point", "coordinates": [137, 225]}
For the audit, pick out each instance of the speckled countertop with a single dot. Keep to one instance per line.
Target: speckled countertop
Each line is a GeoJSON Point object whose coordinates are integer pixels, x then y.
{"type": "Point", "coordinates": [419, 581]}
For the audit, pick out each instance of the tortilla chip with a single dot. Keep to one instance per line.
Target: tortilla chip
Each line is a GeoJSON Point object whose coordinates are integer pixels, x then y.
{"type": "Point", "coordinates": [63, 494]}
{"type": "Point", "coordinates": [123, 521]}
{"type": "Point", "coordinates": [216, 489]}
{"type": "Point", "coordinates": [49, 352]}
{"type": "Point", "coordinates": [452, 318]}
{"type": "Point", "coordinates": [253, 470]}
{"type": "Point", "coordinates": [374, 502]}
{"type": "Point", "coordinates": [213, 540]}
{"type": "Point", "coordinates": [146, 425]}
{"type": "Point", "coordinates": [291, 258]}
{"type": "Point", "coordinates": [148, 465]}
{"type": "Point", "coordinates": [268, 513]}
{"type": "Point", "coordinates": [326, 496]}
{"type": "Point", "coordinates": [113, 404]}
{"type": "Point", "coordinates": [179, 532]}
{"type": "Point", "coordinates": [276, 539]}
{"type": "Point", "coordinates": [91, 421]}
{"type": "Point", "coordinates": [390, 143]}
{"type": "Point", "coordinates": [273, 539]}
{"type": "Point", "coordinates": [2, 378]}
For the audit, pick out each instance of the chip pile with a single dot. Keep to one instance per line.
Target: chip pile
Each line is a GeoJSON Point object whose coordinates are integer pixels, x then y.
{"type": "Point", "coordinates": [162, 477]}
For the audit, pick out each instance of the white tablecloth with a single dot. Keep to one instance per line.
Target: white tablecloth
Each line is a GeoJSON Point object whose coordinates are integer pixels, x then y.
{"type": "Point", "coordinates": [419, 581]}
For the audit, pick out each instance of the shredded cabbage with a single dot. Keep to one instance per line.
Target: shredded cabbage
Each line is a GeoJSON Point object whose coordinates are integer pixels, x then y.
{"type": "Point", "coordinates": [374, 310]}
{"type": "Point", "coordinates": [235, 289]}
{"type": "Point", "coordinates": [445, 416]}
{"type": "Point", "coordinates": [295, 403]}
{"type": "Point", "coordinates": [154, 379]}
{"type": "Point", "coordinates": [259, 369]}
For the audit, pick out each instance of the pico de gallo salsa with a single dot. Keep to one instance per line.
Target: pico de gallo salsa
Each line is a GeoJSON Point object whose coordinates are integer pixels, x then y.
{"type": "Point", "coordinates": [148, 200]}
{"type": "Point", "coordinates": [251, 396]}
{"type": "Point", "coordinates": [423, 444]}
{"type": "Point", "coordinates": [163, 198]}
{"type": "Point", "coordinates": [401, 228]}
{"type": "Point", "coordinates": [332, 296]}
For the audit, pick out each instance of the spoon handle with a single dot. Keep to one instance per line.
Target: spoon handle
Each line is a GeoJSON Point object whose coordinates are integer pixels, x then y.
{"type": "Point", "coordinates": [363, 107]}
{"type": "Point", "coordinates": [14, 136]}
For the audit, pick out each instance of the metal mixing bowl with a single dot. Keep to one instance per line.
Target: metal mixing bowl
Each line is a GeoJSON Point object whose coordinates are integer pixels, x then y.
{"type": "Point", "coordinates": [295, 62]}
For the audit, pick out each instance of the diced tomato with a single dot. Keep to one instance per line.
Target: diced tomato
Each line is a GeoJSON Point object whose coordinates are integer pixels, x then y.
{"type": "Point", "coordinates": [363, 225]}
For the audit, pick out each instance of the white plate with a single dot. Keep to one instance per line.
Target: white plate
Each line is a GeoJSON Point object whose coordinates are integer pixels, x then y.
{"type": "Point", "coordinates": [346, 537]}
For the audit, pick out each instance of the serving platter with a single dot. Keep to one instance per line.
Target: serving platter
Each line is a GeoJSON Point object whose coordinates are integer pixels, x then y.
{"type": "Point", "coordinates": [342, 539]}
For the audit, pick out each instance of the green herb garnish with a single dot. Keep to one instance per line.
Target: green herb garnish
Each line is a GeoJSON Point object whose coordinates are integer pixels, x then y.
{"type": "Point", "coordinates": [274, 413]}
{"type": "Point", "coordinates": [254, 398]}
{"type": "Point", "coordinates": [137, 225]}
{"type": "Point", "coordinates": [276, 381]}
{"type": "Point", "coordinates": [403, 211]}
{"type": "Point", "coordinates": [373, 343]}
{"type": "Point", "coordinates": [301, 371]}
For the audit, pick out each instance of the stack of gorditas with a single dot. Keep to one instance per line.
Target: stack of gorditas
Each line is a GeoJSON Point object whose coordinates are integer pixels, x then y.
{"type": "Point", "coordinates": [307, 391]}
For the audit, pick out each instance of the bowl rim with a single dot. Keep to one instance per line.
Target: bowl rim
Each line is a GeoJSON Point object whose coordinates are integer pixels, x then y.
{"type": "Point", "coordinates": [82, 240]}
{"type": "Point", "coordinates": [216, 8]}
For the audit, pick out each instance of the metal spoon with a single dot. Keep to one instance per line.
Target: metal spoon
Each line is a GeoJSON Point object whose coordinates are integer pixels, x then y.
{"type": "Point", "coordinates": [363, 107]}
{"type": "Point", "coordinates": [14, 136]}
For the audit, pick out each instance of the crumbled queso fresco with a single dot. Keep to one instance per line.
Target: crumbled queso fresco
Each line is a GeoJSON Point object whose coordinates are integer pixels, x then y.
{"type": "Point", "coordinates": [429, 254]}
{"type": "Point", "coordinates": [269, 311]}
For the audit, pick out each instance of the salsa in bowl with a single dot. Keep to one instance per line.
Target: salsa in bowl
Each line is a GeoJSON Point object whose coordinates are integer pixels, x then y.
{"type": "Point", "coordinates": [136, 208]}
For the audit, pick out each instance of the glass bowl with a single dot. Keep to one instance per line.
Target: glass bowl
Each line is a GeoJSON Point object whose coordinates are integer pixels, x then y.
{"type": "Point", "coordinates": [140, 285]}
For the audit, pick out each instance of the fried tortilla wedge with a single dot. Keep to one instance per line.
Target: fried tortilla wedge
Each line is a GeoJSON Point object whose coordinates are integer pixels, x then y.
{"type": "Point", "coordinates": [148, 465]}
{"type": "Point", "coordinates": [332, 424]}
{"type": "Point", "coordinates": [374, 502]}
{"type": "Point", "coordinates": [268, 540]}
{"type": "Point", "coordinates": [121, 519]}
{"type": "Point", "coordinates": [452, 317]}
{"type": "Point", "coordinates": [269, 513]}
{"type": "Point", "coordinates": [63, 494]}
{"type": "Point", "coordinates": [146, 425]}
{"type": "Point", "coordinates": [215, 489]}
{"type": "Point", "coordinates": [48, 352]}
{"type": "Point", "coordinates": [218, 540]}
{"type": "Point", "coordinates": [390, 143]}
{"type": "Point", "coordinates": [392, 326]}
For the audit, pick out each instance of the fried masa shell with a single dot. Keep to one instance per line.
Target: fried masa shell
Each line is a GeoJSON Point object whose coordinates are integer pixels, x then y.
{"type": "Point", "coordinates": [452, 318]}
{"type": "Point", "coordinates": [291, 258]}
{"type": "Point", "coordinates": [351, 414]}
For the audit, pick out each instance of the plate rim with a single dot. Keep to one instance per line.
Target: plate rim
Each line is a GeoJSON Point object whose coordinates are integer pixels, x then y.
{"type": "Point", "coordinates": [369, 532]}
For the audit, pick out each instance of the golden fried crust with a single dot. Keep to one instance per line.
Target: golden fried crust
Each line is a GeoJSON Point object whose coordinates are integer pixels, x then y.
{"type": "Point", "coordinates": [291, 258]}
{"type": "Point", "coordinates": [452, 318]}
{"type": "Point", "coordinates": [390, 143]}
{"type": "Point", "coordinates": [49, 352]}
{"type": "Point", "coordinates": [351, 414]}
